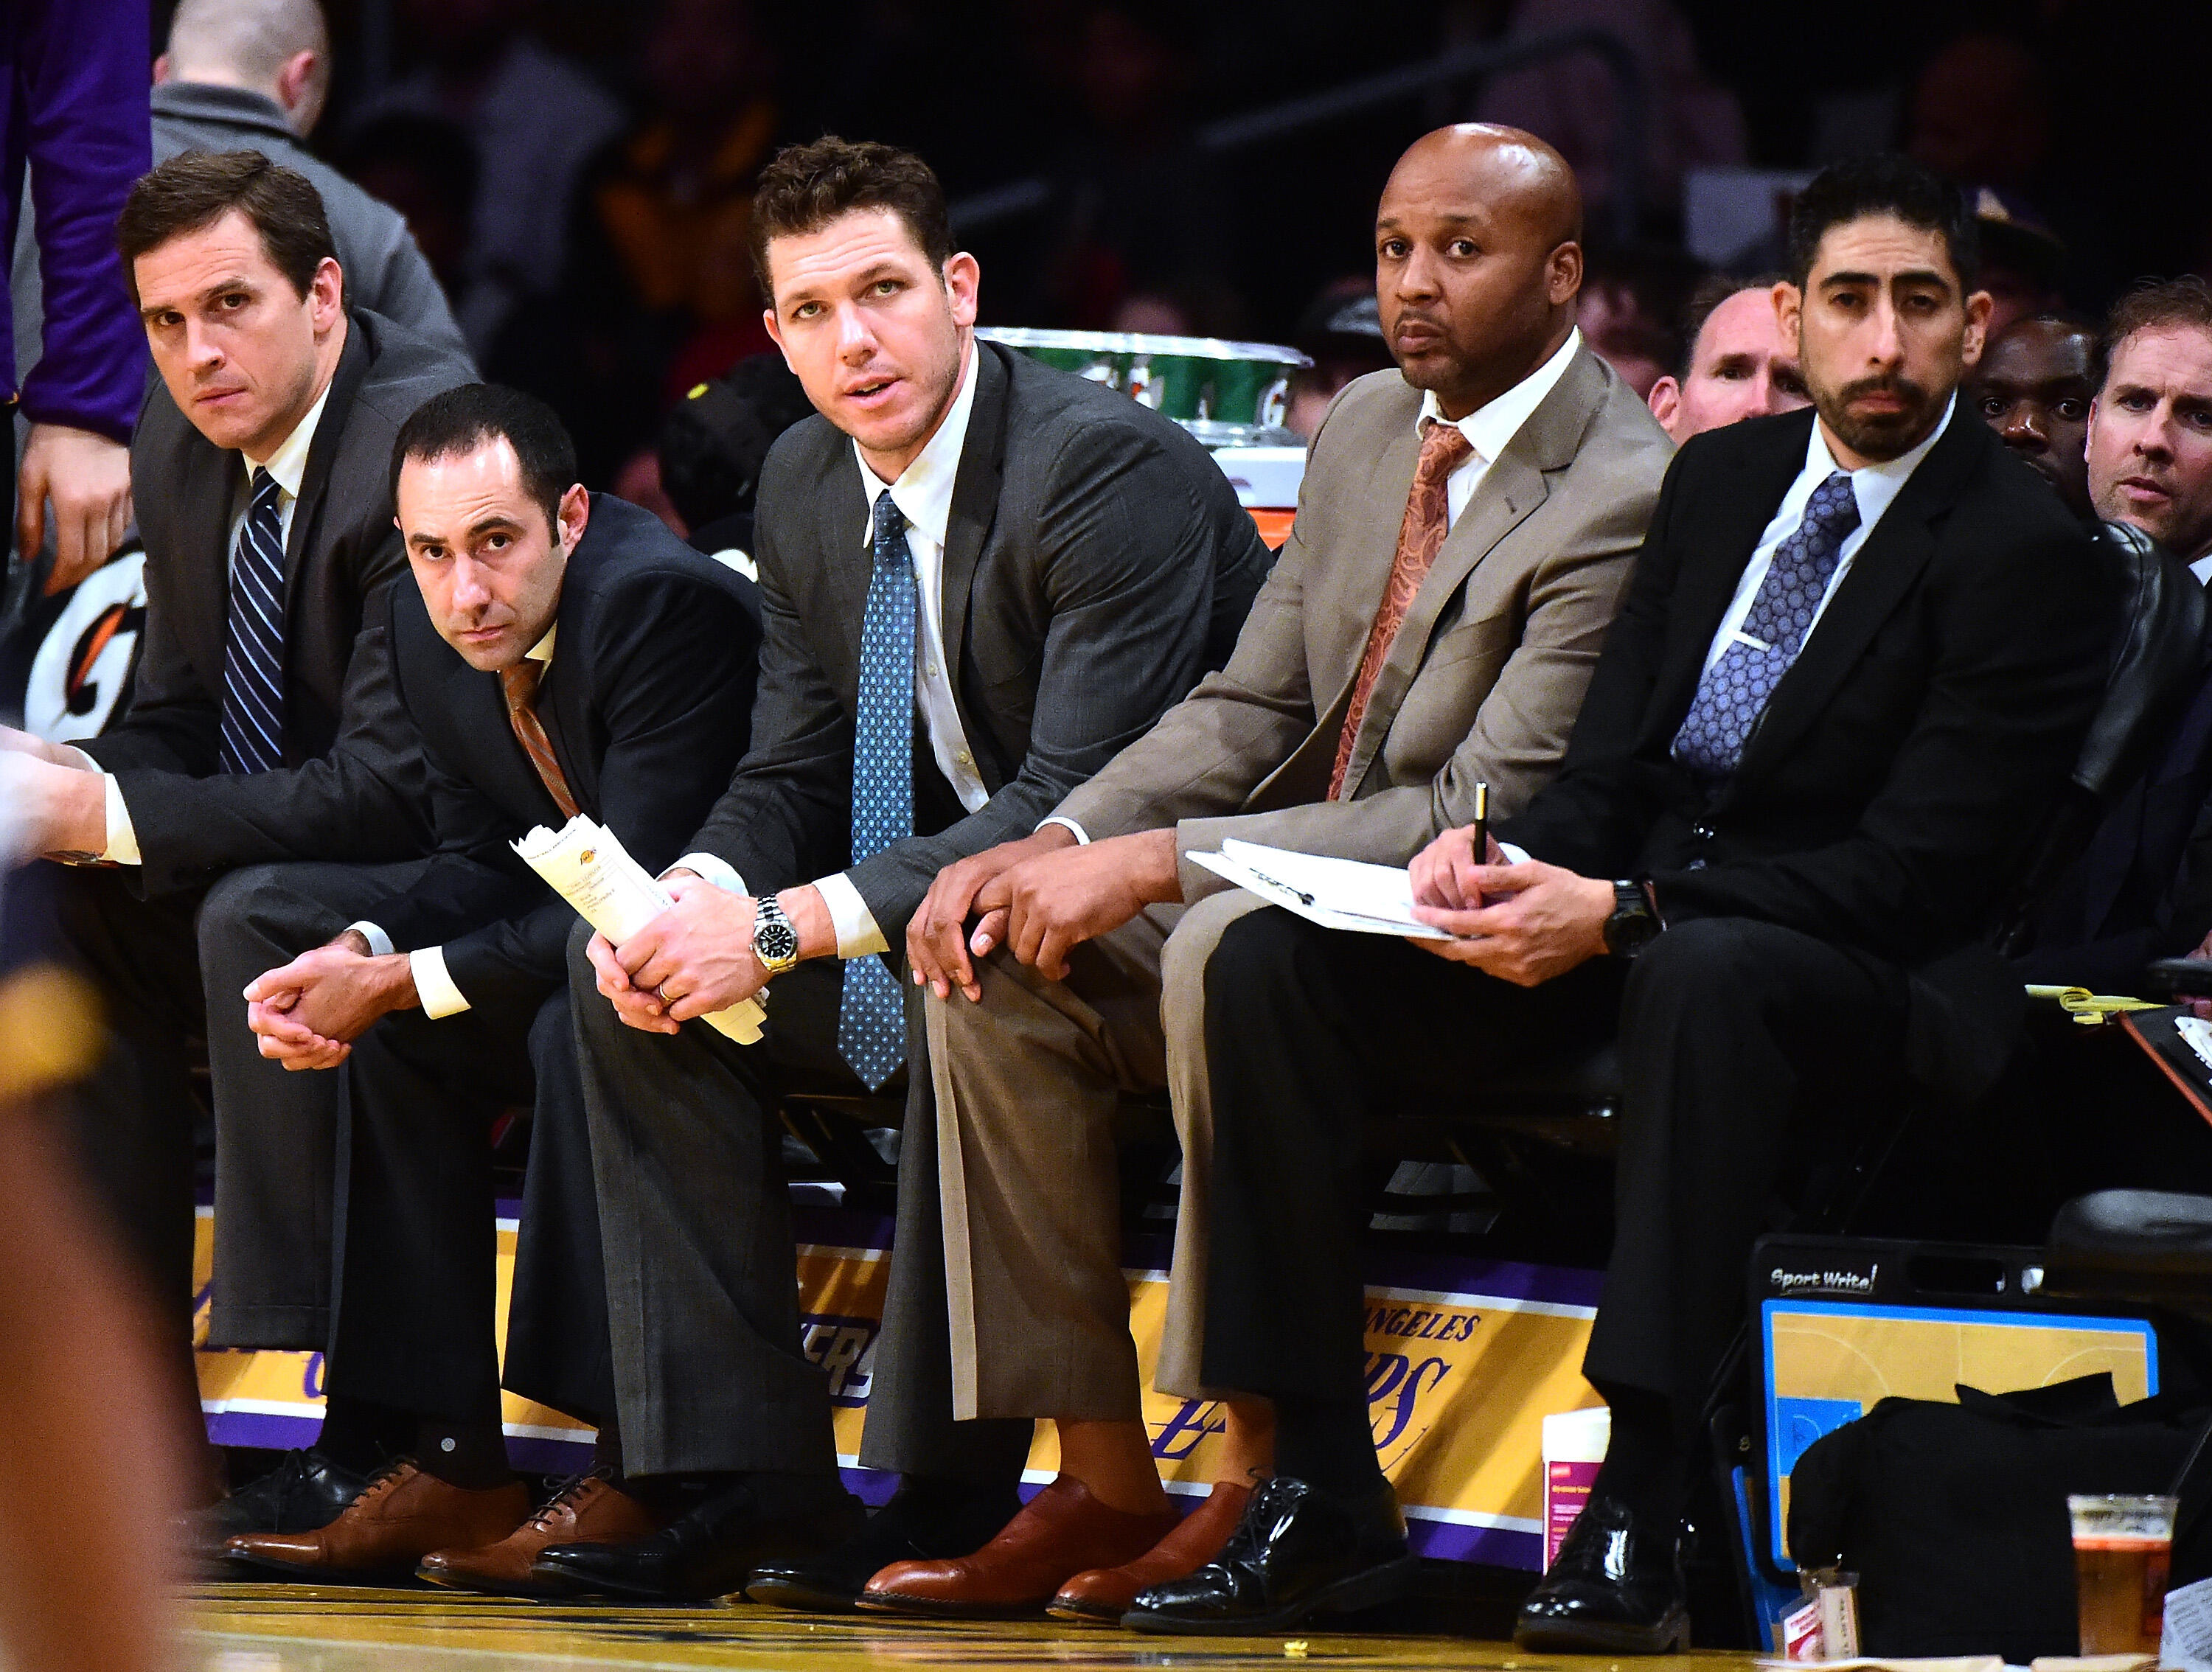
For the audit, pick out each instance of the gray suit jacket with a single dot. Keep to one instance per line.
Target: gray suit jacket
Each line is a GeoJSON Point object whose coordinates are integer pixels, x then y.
{"type": "Point", "coordinates": [1485, 678]}
{"type": "Point", "coordinates": [1098, 564]}
{"type": "Point", "coordinates": [192, 820]}
{"type": "Point", "coordinates": [384, 272]}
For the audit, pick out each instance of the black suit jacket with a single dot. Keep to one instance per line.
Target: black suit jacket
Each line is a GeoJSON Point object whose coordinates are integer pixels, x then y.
{"type": "Point", "coordinates": [647, 704]}
{"type": "Point", "coordinates": [1097, 565]}
{"type": "Point", "coordinates": [1889, 795]}
{"type": "Point", "coordinates": [2142, 888]}
{"type": "Point", "coordinates": [192, 821]}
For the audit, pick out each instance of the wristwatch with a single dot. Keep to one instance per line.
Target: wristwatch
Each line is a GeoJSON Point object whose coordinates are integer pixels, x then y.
{"type": "Point", "coordinates": [1633, 924]}
{"type": "Point", "coordinates": [775, 943]}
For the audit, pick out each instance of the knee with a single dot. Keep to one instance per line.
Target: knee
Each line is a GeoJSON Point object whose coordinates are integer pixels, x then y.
{"type": "Point", "coordinates": [1191, 946]}
{"type": "Point", "coordinates": [1254, 963]}
{"type": "Point", "coordinates": [1705, 963]}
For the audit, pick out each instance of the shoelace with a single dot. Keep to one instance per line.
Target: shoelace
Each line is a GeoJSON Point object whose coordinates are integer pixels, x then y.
{"type": "Point", "coordinates": [567, 1492]}
{"type": "Point", "coordinates": [382, 1481]}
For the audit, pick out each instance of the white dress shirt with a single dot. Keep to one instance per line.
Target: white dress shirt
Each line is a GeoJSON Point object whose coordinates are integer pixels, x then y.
{"type": "Point", "coordinates": [434, 983]}
{"type": "Point", "coordinates": [923, 494]}
{"type": "Point", "coordinates": [1489, 429]}
{"type": "Point", "coordinates": [289, 464]}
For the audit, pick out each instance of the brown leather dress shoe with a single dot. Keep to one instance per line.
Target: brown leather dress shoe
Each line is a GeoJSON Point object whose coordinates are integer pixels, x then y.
{"type": "Point", "coordinates": [589, 1510]}
{"type": "Point", "coordinates": [400, 1517]}
{"type": "Point", "coordinates": [1102, 1596]}
{"type": "Point", "coordinates": [1063, 1532]}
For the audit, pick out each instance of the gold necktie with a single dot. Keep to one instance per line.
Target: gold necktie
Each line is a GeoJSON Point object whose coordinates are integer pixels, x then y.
{"type": "Point", "coordinates": [1420, 536]}
{"type": "Point", "coordinates": [518, 685]}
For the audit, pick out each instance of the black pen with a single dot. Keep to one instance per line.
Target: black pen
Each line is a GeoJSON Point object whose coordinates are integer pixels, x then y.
{"type": "Point", "coordinates": [1482, 823]}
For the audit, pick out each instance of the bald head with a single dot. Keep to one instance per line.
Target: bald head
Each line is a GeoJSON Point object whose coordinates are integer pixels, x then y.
{"type": "Point", "coordinates": [1478, 259]}
{"type": "Point", "coordinates": [278, 48]}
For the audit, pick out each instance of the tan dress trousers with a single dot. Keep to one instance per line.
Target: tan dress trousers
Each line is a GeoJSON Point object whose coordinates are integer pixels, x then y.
{"type": "Point", "coordinates": [1027, 1078]}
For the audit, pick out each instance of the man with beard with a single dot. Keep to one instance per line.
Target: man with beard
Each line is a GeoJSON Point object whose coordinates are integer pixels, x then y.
{"type": "Point", "coordinates": [1858, 654]}
{"type": "Point", "coordinates": [2034, 388]}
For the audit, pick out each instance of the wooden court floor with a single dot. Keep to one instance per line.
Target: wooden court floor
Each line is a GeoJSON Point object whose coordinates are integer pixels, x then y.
{"type": "Point", "coordinates": [297, 1629]}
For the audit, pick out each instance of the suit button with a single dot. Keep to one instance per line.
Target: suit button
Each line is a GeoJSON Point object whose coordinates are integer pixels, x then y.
{"type": "Point", "coordinates": [1703, 832]}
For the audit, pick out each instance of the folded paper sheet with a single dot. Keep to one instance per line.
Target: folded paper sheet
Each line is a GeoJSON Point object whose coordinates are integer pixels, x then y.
{"type": "Point", "coordinates": [1337, 894]}
{"type": "Point", "coordinates": [587, 866]}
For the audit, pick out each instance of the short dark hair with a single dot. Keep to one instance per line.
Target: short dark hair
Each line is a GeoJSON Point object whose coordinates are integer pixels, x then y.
{"type": "Point", "coordinates": [805, 187]}
{"type": "Point", "coordinates": [1884, 183]}
{"type": "Point", "coordinates": [194, 190]}
{"type": "Point", "coordinates": [1712, 290]}
{"type": "Point", "coordinates": [2154, 305]}
{"type": "Point", "coordinates": [460, 420]}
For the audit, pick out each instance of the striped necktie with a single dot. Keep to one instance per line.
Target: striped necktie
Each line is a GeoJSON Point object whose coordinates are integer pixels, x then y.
{"type": "Point", "coordinates": [871, 1014]}
{"type": "Point", "coordinates": [253, 654]}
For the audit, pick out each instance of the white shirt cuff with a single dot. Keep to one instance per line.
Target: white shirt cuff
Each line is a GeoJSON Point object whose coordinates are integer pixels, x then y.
{"type": "Point", "coordinates": [1082, 837]}
{"type": "Point", "coordinates": [719, 871]}
{"type": "Point", "coordinates": [380, 944]}
{"type": "Point", "coordinates": [122, 840]}
{"type": "Point", "coordinates": [858, 935]}
{"type": "Point", "coordinates": [433, 986]}
{"type": "Point", "coordinates": [1513, 855]}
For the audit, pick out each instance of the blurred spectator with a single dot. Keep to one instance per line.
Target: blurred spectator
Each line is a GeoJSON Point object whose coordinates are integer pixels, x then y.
{"type": "Point", "coordinates": [534, 120]}
{"type": "Point", "coordinates": [1571, 101]}
{"type": "Point", "coordinates": [1738, 365]}
{"type": "Point", "coordinates": [2150, 431]}
{"type": "Point", "coordinates": [1980, 111]}
{"type": "Point", "coordinates": [2035, 386]}
{"type": "Point", "coordinates": [2020, 258]}
{"type": "Point", "coordinates": [73, 112]}
{"type": "Point", "coordinates": [714, 443]}
{"type": "Point", "coordinates": [251, 74]}
{"type": "Point", "coordinates": [1342, 330]}
{"type": "Point", "coordinates": [423, 166]}
{"type": "Point", "coordinates": [1138, 208]}
{"type": "Point", "coordinates": [1631, 307]}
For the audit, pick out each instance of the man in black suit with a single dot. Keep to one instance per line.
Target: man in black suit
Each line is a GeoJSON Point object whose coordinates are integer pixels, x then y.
{"type": "Point", "coordinates": [1774, 906]}
{"type": "Point", "coordinates": [980, 578]}
{"type": "Point", "coordinates": [263, 460]}
{"type": "Point", "coordinates": [557, 654]}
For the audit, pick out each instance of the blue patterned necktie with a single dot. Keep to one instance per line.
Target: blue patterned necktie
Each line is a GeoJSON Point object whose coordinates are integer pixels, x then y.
{"type": "Point", "coordinates": [872, 1016]}
{"type": "Point", "coordinates": [1734, 691]}
{"type": "Point", "coordinates": [253, 657]}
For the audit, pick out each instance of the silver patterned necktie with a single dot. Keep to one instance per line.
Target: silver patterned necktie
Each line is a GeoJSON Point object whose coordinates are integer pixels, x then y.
{"type": "Point", "coordinates": [1734, 691]}
{"type": "Point", "coordinates": [252, 738]}
{"type": "Point", "coordinates": [871, 1013]}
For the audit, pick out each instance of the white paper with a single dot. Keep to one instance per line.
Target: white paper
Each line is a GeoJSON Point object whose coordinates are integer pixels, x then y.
{"type": "Point", "coordinates": [1337, 894]}
{"type": "Point", "coordinates": [2197, 1036]}
{"type": "Point", "coordinates": [586, 864]}
{"type": "Point", "coordinates": [2188, 1640]}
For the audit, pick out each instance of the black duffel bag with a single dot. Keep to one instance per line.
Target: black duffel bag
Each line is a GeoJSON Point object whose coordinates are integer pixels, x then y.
{"type": "Point", "coordinates": [1954, 1516]}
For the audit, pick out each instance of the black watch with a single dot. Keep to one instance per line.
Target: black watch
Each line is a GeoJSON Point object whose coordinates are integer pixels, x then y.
{"type": "Point", "coordinates": [1633, 924]}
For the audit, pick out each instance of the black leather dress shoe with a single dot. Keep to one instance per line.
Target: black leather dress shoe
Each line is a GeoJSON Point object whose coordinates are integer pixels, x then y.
{"type": "Point", "coordinates": [1616, 1589]}
{"type": "Point", "coordinates": [712, 1550]}
{"type": "Point", "coordinates": [304, 1491]}
{"type": "Point", "coordinates": [1298, 1552]}
{"type": "Point", "coordinates": [923, 1522]}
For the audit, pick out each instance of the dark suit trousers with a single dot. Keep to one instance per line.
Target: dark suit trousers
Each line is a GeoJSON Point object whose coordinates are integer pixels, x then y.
{"type": "Point", "coordinates": [1745, 1049]}
{"type": "Point", "coordinates": [355, 1205]}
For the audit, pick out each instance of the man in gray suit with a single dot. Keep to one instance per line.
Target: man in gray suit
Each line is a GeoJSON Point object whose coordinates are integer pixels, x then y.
{"type": "Point", "coordinates": [1464, 532]}
{"type": "Point", "coordinates": [264, 456]}
{"type": "Point", "coordinates": [979, 579]}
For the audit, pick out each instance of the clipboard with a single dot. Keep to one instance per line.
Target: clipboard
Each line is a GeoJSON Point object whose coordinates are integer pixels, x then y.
{"type": "Point", "coordinates": [2155, 1031]}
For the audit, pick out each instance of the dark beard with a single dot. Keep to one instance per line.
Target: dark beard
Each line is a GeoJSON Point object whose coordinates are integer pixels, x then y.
{"type": "Point", "coordinates": [1891, 436]}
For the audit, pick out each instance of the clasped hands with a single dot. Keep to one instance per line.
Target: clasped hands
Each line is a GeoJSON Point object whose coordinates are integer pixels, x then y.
{"type": "Point", "coordinates": [306, 1013]}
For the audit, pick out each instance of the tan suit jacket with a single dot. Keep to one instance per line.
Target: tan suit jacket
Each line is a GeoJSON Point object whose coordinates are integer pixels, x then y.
{"type": "Point", "coordinates": [1485, 678]}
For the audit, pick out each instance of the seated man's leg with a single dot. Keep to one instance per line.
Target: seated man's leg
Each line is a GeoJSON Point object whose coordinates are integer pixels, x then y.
{"type": "Point", "coordinates": [1751, 1056]}
{"type": "Point", "coordinates": [415, 1333]}
{"type": "Point", "coordinates": [702, 1294]}
{"type": "Point", "coordinates": [1026, 1083]}
{"type": "Point", "coordinates": [1308, 1031]}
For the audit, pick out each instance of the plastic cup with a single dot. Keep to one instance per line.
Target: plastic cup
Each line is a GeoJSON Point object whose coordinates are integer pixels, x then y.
{"type": "Point", "coordinates": [2122, 1547]}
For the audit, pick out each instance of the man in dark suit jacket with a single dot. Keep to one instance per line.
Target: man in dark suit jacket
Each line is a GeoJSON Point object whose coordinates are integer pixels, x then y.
{"type": "Point", "coordinates": [558, 655]}
{"type": "Point", "coordinates": [263, 460]}
{"type": "Point", "coordinates": [1052, 566]}
{"type": "Point", "coordinates": [1774, 906]}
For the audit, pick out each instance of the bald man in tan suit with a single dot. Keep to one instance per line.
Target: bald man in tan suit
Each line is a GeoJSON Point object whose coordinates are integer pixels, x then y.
{"type": "Point", "coordinates": [1463, 538]}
